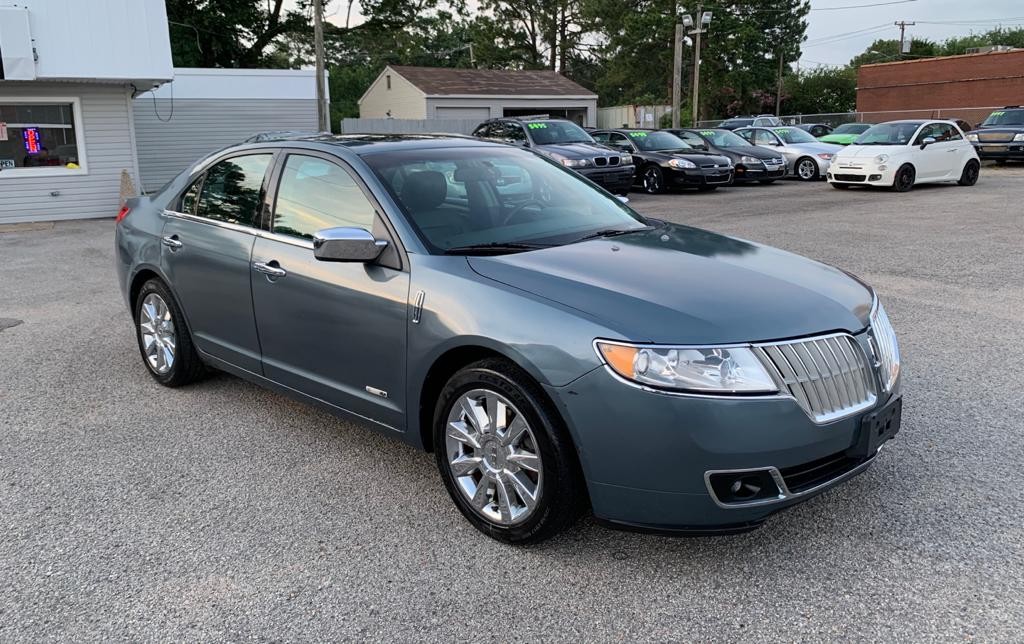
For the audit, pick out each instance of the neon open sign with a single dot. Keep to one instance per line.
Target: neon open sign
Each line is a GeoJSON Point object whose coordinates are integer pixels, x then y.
{"type": "Point", "coordinates": [32, 141]}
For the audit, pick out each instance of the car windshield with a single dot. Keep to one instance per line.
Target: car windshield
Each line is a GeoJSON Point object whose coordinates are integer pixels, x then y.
{"type": "Point", "coordinates": [793, 135]}
{"type": "Point", "coordinates": [851, 128]}
{"type": "Point", "coordinates": [724, 139]}
{"type": "Point", "coordinates": [652, 141]}
{"type": "Point", "coordinates": [1001, 118]}
{"type": "Point", "coordinates": [482, 200]}
{"type": "Point", "coordinates": [888, 134]}
{"type": "Point", "coordinates": [545, 132]}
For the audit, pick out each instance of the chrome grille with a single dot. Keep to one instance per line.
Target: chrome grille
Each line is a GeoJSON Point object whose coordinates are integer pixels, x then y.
{"type": "Point", "coordinates": [829, 376]}
{"type": "Point", "coordinates": [995, 136]}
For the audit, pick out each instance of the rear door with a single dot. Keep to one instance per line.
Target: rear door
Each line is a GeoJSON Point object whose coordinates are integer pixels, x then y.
{"type": "Point", "coordinates": [332, 330]}
{"type": "Point", "coordinates": [207, 242]}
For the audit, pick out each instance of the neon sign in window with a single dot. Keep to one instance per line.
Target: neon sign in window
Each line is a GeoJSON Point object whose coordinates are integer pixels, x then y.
{"type": "Point", "coordinates": [33, 144]}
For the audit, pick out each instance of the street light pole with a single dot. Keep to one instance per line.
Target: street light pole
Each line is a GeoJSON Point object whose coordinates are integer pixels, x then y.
{"type": "Point", "coordinates": [677, 72]}
{"type": "Point", "coordinates": [318, 38]}
{"type": "Point", "coordinates": [703, 19]}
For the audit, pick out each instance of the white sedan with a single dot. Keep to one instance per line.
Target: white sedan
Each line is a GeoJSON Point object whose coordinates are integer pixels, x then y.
{"type": "Point", "coordinates": [901, 154]}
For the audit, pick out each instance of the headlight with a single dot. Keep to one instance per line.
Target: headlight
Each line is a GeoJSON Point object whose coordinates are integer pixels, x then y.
{"type": "Point", "coordinates": [711, 370]}
{"type": "Point", "coordinates": [626, 159]}
{"type": "Point", "coordinates": [972, 137]}
{"type": "Point", "coordinates": [575, 163]}
{"type": "Point", "coordinates": [682, 163]}
{"type": "Point", "coordinates": [825, 155]}
{"type": "Point", "coordinates": [1018, 137]}
{"type": "Point", "coordinates": [881, 158]}
{"type": "Point", "coordinates": [750, 160]}
{"type": "Point", "coordinates": [885, 345]}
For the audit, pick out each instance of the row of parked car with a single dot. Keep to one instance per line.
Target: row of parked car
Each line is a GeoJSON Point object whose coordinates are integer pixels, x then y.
{"type": "Point", "coordinates": [895, 154]}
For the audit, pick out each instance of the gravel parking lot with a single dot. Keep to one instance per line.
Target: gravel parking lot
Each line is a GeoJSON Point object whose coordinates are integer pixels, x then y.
{"type": "Point", "coordinates": [222, 511]}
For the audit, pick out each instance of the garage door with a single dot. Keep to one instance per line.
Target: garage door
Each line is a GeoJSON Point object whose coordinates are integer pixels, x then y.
{"type": "Point", "coordinates": [479, 113]}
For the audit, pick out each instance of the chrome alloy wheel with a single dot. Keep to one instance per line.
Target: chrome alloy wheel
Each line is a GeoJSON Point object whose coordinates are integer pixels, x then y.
{"type": "Point", "coordinates": [493, 457]}
{"type": "Point", "coordinates": [156, 328]}
{"type": "Point", "coordinates": [807, 169]}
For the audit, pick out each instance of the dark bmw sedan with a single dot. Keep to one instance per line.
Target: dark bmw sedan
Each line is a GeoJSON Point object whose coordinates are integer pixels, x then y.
{"type": "Point", "coordinates": [665, 161]}
{"type": "Point", "coordinates": [553, 348]}
{"type": "Point", "coordinates": [751, 162]}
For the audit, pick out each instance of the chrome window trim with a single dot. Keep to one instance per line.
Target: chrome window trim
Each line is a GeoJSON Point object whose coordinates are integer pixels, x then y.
{"type": "Point", "coordinates": [784, 493]}
{"type": "Point", "coordinates": [238, 228]}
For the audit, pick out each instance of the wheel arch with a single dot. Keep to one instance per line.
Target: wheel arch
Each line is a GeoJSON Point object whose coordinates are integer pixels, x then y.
{"type": "Point", "coordinates": [143, 274]}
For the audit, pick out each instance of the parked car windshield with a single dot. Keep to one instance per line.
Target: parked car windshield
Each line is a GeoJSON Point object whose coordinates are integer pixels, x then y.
{"type": "Point", "coordinates": [851, 128]}
{"type": "Point", "coordinates": [888, 134]}
{"type": "Point", "coordinates": [462, 199]}
{"type": "Point", "coordinates": [1000, 118]}
{"type": "Point", "coordinates": [545, 132]}
{"type": "Point", "coordinates": [793, 135]}
{"type": "Point", "coordinates": [652, 141]}
{"type": "Point", "coordinates": [725, 139]}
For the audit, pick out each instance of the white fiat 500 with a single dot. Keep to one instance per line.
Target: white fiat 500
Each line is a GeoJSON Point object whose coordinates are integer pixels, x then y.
{"type": "Point", "coordinates": [900, 154]}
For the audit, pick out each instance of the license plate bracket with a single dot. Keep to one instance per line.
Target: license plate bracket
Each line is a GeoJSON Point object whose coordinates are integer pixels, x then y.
{"type": "Point", "coordinates": [878, 427]}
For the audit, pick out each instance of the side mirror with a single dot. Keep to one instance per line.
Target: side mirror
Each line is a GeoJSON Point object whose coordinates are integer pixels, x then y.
{"type": "Point", "coordinates": [928, 140]}
{"type": "Point", "coordinates": [622, 198]}
{"type": "Point", "coordinates": [347, 245]}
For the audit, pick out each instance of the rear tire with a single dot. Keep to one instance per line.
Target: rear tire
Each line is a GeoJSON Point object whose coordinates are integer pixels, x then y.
{"type": "Point", "coordinates": [163, 337]}
{"type": "Point", "coordinates": [487, 473]}
{"type": "Point", "coordinates": [806, 169]}
{"type": "Point", "coordinates": [904, 179]}
{"type": "Point", "coordinates": [970, 174]}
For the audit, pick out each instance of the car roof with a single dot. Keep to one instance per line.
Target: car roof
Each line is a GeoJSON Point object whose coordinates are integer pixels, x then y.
{"type": "Point", "coordinates": [370, 143]}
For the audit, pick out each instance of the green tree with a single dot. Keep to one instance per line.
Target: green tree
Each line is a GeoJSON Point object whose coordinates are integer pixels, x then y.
{"type": "Point", "coordinates": [887, 51]}
{"type": "Point", "coordinates": [824, 90]}
{"type": "Point", "coordinates": [231, 33]}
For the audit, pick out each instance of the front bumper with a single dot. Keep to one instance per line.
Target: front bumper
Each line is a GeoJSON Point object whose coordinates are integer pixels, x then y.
{"type": "Point", "coordinates": [697, 177]}
{"type": "Point", "coordinates": [648, 456]}
{"type": "Point", "coordinates": [617, 179]}
{"type": "Point", "coordinates": [1013, 151]}
{"type": "Point", "coordinates": [861, 174]}
{"type": "Point", "coordinates": [759, 172]}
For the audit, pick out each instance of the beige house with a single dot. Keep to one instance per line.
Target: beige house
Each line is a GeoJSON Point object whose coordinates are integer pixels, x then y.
{"type": "Point", "coordinates": [402, 92]}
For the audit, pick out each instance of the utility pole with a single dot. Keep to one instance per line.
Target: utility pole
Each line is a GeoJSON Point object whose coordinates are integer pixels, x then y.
{"type": "Point", "coordinates": [903, 24]}
{"type": "Point", "coordinates": [677, 73]}
{"type": "Point", "coordinates": [318, 36]}
{"type": "Point", "coordinates": [778, 89]}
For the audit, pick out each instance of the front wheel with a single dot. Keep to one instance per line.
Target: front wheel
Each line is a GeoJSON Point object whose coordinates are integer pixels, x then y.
{"type": "Point", "coordinates": [653, 180]}
{"type": "Point", "coordinates": [807, 169]}
{"type": "Point", "coordinates": [969, 177]}
{"type": "Point", "coordinates": [504, 455]}
{"type": "Point", "coordinates": [904, 179]}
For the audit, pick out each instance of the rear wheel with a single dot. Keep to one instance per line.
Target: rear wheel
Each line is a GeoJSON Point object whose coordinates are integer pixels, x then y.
{"type": "Point", "coordinates": [504, 455]}
{"type": "Point", "coordinates": [904, 179]}
{"type": "Point", "coordinates": [653, 180]}
{"type": "Point", "coordinates": [807, 169]}
{"type": "Point", "coordinates": [164, 340]}
{"type": "Point", "coordinates": [969, 177]}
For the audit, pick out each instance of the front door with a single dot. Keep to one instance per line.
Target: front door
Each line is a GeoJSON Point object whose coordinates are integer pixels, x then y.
{"type": "Point", "coordinates": [936, 160]}
{"type": "Point", "coordinates": [207, 242]}
{"type": "Point", "coordinates": [332, 330]}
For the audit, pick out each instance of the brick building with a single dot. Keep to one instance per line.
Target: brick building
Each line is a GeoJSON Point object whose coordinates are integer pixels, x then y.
{"type": "Point", "coordinates": [949, 85]}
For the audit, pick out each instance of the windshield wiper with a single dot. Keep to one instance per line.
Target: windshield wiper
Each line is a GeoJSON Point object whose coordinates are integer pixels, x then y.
{"type": "Point", "coordinates": [611, 232]}
{"type": "Point", "coordinates": [493, 248]}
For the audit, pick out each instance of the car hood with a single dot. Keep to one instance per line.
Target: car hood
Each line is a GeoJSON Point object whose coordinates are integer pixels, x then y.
{"type": "Point", "coordinates": [752, 151]}
{"type": "Point", "coordinates": [696, 156]}
{"type": "Point", "coordinates": [842, 139]}
{"type": "Point", "coordinates": [575, 150]}
{"type": "Point", "coordinates": [676, 284]}
{"type": "Point", "coordinates": [870, 151]}
{"type": "Point", "coordinates": [815, 147]}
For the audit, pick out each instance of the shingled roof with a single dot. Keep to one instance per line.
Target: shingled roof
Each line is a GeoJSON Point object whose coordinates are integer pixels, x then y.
{"type": "Point", "coordinates": [442, 81]}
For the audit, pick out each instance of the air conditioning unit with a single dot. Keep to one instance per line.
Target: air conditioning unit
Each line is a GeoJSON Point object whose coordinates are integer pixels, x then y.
{"type": "Point", "coordinates": [989, 49]}
{"type": "Point", "coordinates": [17, 59]}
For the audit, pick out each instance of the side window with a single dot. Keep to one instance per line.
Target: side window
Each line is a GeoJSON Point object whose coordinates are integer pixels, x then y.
{"type": "Point", "coordinates": [764, 137]}
{"type": "Point", "coordinates": [947, 132]}
{"type": "Point", "coordinates": [691, 138]}
{"type": "Point", "coordinates": [232, 189]}
{"type": "Point", "coordinates": [191, 197]}
{"type": "Point", "coordinates": [482, 130]}
{"type": "Point", "coordinates": [601, 137]}
{"type": "Point", "coordinates": [515, 133]}
{"type": "Point", "coordinates": [746, 134]}
{"type": "Point", "coordinates": [315, 194]}
{"type": "Point", "coordinates": [930, 130]}
{"type": "Point", "coordinates": [621, 142]}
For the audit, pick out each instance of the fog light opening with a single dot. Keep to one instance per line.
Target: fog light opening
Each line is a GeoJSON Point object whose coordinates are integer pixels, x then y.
{"type": "Point", "coordinates": [745, 488]}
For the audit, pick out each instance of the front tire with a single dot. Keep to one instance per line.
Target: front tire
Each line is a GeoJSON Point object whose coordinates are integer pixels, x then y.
{"type": "Point", "coordinates": [806, 169]}
{"type": "Point", "coordinates": [164, 341]}
{"type": "Point", "coordinates": [970, 174]}
{"type": "Point", "coordinates": [653, 180]}
{"type": "Point", "coordinates": [504, 455]}
{"type": "Point", "coordinates": [904, 179]}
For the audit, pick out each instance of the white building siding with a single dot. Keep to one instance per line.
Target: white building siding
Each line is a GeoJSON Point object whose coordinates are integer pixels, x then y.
{"type": "Point", "coordinates": [404, 100]}
{"type": "Point", "coordinates": [200, 126]}
{"type": "Point", "coordinates": [106, 131]}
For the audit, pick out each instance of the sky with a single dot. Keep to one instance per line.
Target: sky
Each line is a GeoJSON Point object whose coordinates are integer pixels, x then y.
{"type": "Point", "coordinates": [838, 30]}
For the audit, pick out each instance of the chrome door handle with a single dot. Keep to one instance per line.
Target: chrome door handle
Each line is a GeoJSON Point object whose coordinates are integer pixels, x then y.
{"type": "Point", "coordinates": [267, 269]}
{"type": "Point", "coordinates": [172, 242]}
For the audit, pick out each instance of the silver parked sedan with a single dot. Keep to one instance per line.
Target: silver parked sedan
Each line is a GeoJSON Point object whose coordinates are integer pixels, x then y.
{"type": "Point", "coordinates": [551, 346]}
{"type": "Point", "coordinates": [807, 158]}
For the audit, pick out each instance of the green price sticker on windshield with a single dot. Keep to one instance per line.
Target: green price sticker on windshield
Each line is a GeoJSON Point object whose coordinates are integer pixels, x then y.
{"type": "Point", "coordinates": [780, 130]}
{"type": "Point", "coordinates": [708, 132]}
{"type": "Point", "coordinates": [638, 135]}
{"type": "Point", "coordinates": [537, 126]}
{"type": "Point", "coordinates": [997, 113]}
